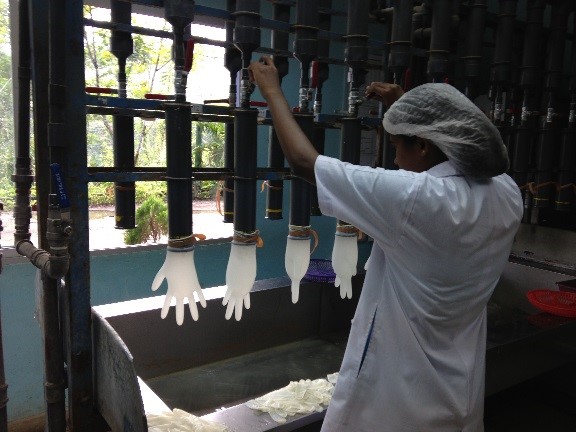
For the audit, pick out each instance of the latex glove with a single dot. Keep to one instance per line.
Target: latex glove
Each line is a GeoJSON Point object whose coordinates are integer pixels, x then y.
{"type": "Point", "coordinates": [344, 261]}
{"type": "Point", "coordinates": [297, 260]}
{"type": "Point", "coordinates": [240, 277]}
{"type": "Point", "coordinates": [180, 274]}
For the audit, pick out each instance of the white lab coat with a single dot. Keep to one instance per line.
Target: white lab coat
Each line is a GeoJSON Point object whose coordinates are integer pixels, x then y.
{"type": "Point", "coordinates": [415, 359]}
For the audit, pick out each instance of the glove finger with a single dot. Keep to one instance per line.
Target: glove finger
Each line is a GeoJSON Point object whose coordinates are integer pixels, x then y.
{"type": "Point", "coordinates": [166, 307]}
{"type": "Point", "coordinates": [229, 310]}
{"type": "Point", "coordinates": [193, 309]}
{"type": "Point", "coordinates": [179, 311]}
{"type": "Point", "coordinates": [343, 290]}
{"type": "Point", "coordinates": [247, 301]}
{"type": "Point", "coordinates": [295, 292]}
{"type": "Point", "coordinates": [337, 281]}
{"type": "Point", "coordinates": [349, 290]}
{"type": "Point", "coordinates": [158, 279]}
{"type": "Point", "coordinates": [226, 297]}
{"type": "Point", "coordinates": [238, 311]}
{"type": "Point", "coordinates": [200, 295]}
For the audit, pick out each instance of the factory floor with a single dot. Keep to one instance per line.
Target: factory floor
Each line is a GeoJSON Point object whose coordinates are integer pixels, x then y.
{"type": "Point", "coordinates": [545, 404]}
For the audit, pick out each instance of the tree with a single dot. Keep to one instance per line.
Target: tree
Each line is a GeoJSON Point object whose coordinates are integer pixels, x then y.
{"type": "Point", "coordinates": [151, 222]}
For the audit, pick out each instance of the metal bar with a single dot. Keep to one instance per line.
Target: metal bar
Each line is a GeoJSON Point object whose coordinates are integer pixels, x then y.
{"type": "Point", "coordinates": [76, 305]}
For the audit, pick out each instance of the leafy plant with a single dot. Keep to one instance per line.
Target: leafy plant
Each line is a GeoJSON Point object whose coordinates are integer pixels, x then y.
{"type": "Point", "coordinates": [151, 222]}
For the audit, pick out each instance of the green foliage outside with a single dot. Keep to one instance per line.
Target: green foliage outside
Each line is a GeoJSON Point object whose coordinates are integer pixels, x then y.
{"type": "Point", "coordinates": [151, 222]}
{"type": "Point", "coordinates": [149, 70]}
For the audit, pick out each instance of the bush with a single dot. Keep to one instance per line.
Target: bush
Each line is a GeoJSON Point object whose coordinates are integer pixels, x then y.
{"type": "Point", "coordinates": [151, 222]}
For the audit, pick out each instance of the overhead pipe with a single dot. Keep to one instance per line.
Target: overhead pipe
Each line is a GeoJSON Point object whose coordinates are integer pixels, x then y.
{"type": "Point", "coordinates": [546, 145]}
{"type": "Point", "coordinates": [345, 250]}
{"type": "Point", "coordinates": [179, 268]}
{"type": "Point", "coordinates": [122, 47]}
{"type": "Point", "coordinates": [319, 73]}
{"type": "Point", "coordinates": [530, 79]}
{"type": "Point", "coordinates": [232, 62]}
{"type": "Point", "coordinates": [474, 41]}
{"type": "Point", "coordinates": [566, 196]}
{"type": "Point", "coordinates": [279, 42]}
{"type": "Point", "coordinates": [397, 59]}
{"type": "Point", "coordinates": [297, 257]}
{"type": "Point", "coordinates": [500, 73]}
{"type": "Point", "coordinates": [241, 269]}
{"type": "Point", "coordinates": [438, 66]}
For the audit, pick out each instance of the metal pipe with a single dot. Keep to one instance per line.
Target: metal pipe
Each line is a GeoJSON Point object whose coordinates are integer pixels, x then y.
{"type": "Point", "coordinates": [437, 69]}
{"type": "Point", "coordinates": [178, 169]}
{"type": "Point", "coordinates": [246, 39]}
{"type": "Point", "coordinates": [245, 156]}
{"type": "Point", "coordinates": [232, 62]}
{"type": "Point", "coordinates": [546, 146]}
{"type": "Point", "coordinates": [22, 176]}
{"type": "Point", "coordinates": [305, 46]}
{"type": "Point", "coordinates": [400, 39]}
{"type": "Point", "coordinates": [274, 195]}
{"type": "Point", "coordinates": [320, 73]}
{"type": "Point", "coordinates": [179, 13]}
{"type": "Point", "coordinates": [525, 132]}
{"type": "Point", "coordinates": [566, 193]}
{"type": "Point", "coordinates": [501, 65]}
{"type": "Point", "coordinates": [475, 38]}
{"type": "Point", "coordinates": [122, 46]}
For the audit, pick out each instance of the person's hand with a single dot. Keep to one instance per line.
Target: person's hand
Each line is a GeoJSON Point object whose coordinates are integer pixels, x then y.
{"type": "Point", "coordinates": [180, 274]}
{"type": "Point", "coordinates": [264, 74]}
{"type": "Point", "coordinates": [384, 92]}
{"type": "Point", "coordinates": [240, 277]}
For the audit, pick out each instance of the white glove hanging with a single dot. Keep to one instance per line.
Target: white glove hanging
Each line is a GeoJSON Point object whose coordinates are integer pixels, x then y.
{"type": "Point", "coordinates": [180, 274]}
{"type": "Point", "coordinates": [240, 277]}
{"type": "Point", "coordinates": [345, 259]}
{"type": "Point", "coordinates": [297, 258]}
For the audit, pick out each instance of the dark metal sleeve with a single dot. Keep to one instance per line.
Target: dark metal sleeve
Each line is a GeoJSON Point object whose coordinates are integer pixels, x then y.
{"type": "Point", "coordinates": [178, 169]}
{"type": "Point", "coordinates": [300, 189]}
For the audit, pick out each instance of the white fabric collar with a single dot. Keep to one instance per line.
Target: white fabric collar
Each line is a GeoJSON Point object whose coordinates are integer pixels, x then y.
{"type": "Point", "coordinates": [444, 169]}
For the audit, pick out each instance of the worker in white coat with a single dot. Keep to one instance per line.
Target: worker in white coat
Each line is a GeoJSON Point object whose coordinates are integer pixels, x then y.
{"type": "Point", "coordinates": [443, 227]}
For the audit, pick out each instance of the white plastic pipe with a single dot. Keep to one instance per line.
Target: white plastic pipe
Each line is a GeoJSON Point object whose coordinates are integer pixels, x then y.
{"type": "Point", "coordinates": [180, 274]}
{"type": "Point", "coordinates": [240, 277]}
{"type": "Point", "coordinates": [297, 260]}
{"type": "Point", "coordinates": [344, 261]}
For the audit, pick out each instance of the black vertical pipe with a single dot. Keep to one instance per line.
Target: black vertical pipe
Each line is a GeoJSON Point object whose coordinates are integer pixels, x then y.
{"type": "Point", "coordinates": [274, 195]}
{"type": "Point", "coordinates": [179, 13]}
{"type": "Point", "coordinates": [525, 132]}
{"type": "Point", "coordinates": [501, 66]}
{"type": "Point", "coordinates": [246, 39]}
{"type": "Point", "coordinates": [320, 75]}
{"type": "Point", "coordinates": [22, 176]}
{"type": "Point", "coordinates": [122, 46]}
{"type": "Point", "coordinates": [566, 197]}
{"type": "Point", "coordinates": [232, 62]}
{"type": "Point", "coordinates": [400, 40]}
{"type": "Point", "coordinates": [179, 169]}
{"type": "Point", "coordinates": [245, 157]}
{"type": "Point", "coordinates": [475, 39]}
{"type": "Point", "coordinates": [305, 50]}
{"type": "Point", "coordinates": [305, 46]}
{"type": "Point", "coordinates": [546, 147]}
{"type": "Point", "coordinates": [439, 40]}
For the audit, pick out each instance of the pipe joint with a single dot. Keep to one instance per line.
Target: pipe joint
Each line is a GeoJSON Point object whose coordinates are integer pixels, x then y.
{"type": "Point", "coordinates": [305, 97]}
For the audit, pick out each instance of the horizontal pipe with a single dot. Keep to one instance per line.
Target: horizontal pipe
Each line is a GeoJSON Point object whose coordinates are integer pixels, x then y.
{"type": "Point", "coordinates": [53, 266]}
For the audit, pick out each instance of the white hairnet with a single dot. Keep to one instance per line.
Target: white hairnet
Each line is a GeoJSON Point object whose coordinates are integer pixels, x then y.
{"type": "Point", "coordinates": [443, 115]}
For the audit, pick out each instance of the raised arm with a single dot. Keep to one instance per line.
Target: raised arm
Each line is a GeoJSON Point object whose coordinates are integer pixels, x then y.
{"type": "Point", "coordinates": [298, 150]}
